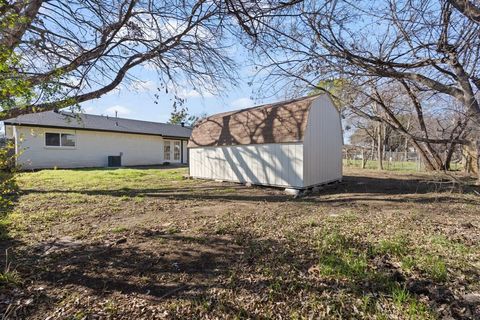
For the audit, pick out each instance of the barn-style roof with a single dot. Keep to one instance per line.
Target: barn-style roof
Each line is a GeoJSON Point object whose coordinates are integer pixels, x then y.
{"type": "Point", "coordinates": [68, 120]}
{"type": "Point", "coordinates": [279, 122]}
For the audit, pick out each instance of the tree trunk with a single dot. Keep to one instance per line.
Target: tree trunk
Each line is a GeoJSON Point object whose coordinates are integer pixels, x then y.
{"type": "Point", "coordinates": [423, 154]}
{"type": "Point", "coordinates": [448, 158]}
{"type": "Point", "coordinates": [364, 158]}
{"type": "Point", "coordinates": [380, 147]}
{"type": "Point", "coordinates": [436, 160]}
{"type": "Point", "coordinates": [372, 151]}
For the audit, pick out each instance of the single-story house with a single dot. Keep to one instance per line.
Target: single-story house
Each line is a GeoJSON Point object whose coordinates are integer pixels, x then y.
{"type": "Point", "coordinates": [294, 144]}
{"type": "Point", "coordinates": [76, 140]}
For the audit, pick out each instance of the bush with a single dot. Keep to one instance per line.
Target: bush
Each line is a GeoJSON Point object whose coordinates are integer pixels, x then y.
{"type": "Point", "coordinates": [8, 185]}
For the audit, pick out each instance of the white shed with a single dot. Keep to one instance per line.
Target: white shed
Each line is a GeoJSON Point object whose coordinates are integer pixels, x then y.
{"type": "Point", "coordinates": [293, 144]}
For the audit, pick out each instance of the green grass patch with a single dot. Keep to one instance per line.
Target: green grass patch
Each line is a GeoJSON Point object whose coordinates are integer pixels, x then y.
{"type": "Point", "coordinates": [10, 278]}
{"type": "Point", "coordinates": [345, 258]}
{"type": "Point", "coordinates": [173, 230]}
{"type": "Point", "coordinates": [341, 256]}
{"type": "Point", "coordinates": [95, 180]}
{"type": "Point", "coordinates": [350, 264]}
{"type": "Point", "coordinates": [434, 266]}
{"type": "Point", "coordinates": [119, 229]}
{"type": "Point", "coordinates": [442, 242]}
{"type": "Point", "coordinates": [398, 246]}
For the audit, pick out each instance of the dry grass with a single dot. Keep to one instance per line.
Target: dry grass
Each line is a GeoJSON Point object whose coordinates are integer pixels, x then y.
{"type": "Point", "coordinates": [133, 243]}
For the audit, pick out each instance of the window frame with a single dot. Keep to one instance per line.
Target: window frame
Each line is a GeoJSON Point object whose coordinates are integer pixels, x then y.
{"type": "Point", "coordinates": [167, 143]}
{"type": "Point", "coordinates": [175, 145]}
{"type": "Point", "coordinates": [68, 134]}
{"type": "Point", "coordinates": [60, 144]}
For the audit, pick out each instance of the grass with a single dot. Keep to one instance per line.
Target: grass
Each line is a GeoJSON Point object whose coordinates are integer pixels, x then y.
{"type": "Point", "coordinates": [217, 250]}
{"type": "Point", "coordinates": [398, 246]}
{"type": "Point", "coordinates": [434, 267]}
{"type": "Point", "coordinates": [103, 179]}
{"type": "Point", "coordinates": [10, 278]}
{"type": "Point", "coordinates": [119, 229]}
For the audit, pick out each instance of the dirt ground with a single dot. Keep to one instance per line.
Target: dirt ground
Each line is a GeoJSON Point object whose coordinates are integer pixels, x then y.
{"type": "Point", "coordinates": [377, 246]}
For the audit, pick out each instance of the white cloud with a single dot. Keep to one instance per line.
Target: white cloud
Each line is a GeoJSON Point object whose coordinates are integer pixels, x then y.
{"type": "Point", "coordinates": [143, 86]}
{"type": "Point", "coordinates": [242, 103]}
{"type": "Point", "coordinates": [184, 93]}
{"type": "Point", "coordinates": [194, 94]}
{"type": "Point", "coordinates": [121, 111]}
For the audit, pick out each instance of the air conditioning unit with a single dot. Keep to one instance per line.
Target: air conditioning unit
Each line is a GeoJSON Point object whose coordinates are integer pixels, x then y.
{"type": "Point", "coordinates": [114, 161]}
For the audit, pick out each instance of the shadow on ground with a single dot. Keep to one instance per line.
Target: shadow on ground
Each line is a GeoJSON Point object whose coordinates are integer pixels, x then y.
{"type": "Point", "coordinates": [223, 271]}
{"type": "Point", "coordinates": [362, 189]}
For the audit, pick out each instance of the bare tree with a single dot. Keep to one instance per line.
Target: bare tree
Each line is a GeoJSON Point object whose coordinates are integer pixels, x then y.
{"type": "Point", "coordinates": [60, 53]}
{"type": "Point", "coordinates": [429, 46]}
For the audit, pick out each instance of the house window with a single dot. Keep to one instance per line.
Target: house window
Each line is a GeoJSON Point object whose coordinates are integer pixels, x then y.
{"type": "Point", "coordinates": [59, 139]}
{"type": "Point", "coordinates": [166, 150]}
{"type": "Point", "coordinates": [176, 150]}
{"type": "Point", "coordinates": [52, 139]}
{"type": "Point", "coordinates": [68, 140]}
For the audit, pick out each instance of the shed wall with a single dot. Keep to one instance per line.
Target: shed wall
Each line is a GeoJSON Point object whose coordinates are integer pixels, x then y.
{"type": "Point", "coordinates": [91, 150]}
{"type": "Point", "coordinates": [278, 164]}
{"type": "Point", "coordinates": [323, 143]}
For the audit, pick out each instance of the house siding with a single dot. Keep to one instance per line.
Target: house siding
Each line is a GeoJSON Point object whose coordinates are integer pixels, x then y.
{"type": "Point", "coordinates": [91, 150]}
{"type": "Point", "coordinates": [263, 164]}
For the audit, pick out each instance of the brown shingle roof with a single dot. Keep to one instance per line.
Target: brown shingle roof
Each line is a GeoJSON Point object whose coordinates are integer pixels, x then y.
{"type": "Point", "coordinates": [272, 123]}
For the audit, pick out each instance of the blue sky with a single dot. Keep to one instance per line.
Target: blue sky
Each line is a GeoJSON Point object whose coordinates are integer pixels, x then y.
{"type": "Point", "coordinates": [136, 100]}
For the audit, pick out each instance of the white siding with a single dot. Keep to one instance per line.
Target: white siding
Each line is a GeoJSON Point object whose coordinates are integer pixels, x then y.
{"type": "Point", "coordinates": [91, 150]}
{"type": "Point", "coordinates": [265, 164]}
{"type": "Point", "coordinates": [323, 143]}
{"type": "Point", "coordinates": [316, 160]}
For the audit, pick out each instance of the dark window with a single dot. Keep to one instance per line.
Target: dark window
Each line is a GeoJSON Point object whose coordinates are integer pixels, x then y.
{"type": "Point", "coordinates": [59, 139]}
{"type": "Point", "coordinates": [52, 139]}
{"type": "Point", "coordinates": [68, 140]}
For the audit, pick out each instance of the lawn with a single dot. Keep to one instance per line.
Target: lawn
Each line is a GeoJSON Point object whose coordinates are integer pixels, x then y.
{"type": "Point", "coordinates": [147, 244]}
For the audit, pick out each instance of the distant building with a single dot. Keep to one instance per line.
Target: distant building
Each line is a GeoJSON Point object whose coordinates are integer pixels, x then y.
{"type": "Point", "coordinates": [70, 140]}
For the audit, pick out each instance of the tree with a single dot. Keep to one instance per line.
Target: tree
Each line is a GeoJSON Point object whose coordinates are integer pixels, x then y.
{"type": "Point", "coordinates": [425, 46]}
{"type": "Point", "coordinates": [59, 53]}
{"type": "Point", "coordinates": [180, 115]}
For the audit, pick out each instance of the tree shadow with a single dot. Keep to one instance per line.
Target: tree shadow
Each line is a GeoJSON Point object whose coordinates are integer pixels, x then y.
{"type": "Point", "coordinates": [159, 267]}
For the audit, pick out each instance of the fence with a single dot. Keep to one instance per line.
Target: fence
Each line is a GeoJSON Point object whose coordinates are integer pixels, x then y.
{"type": "Point", "coordinates": [399, 161]}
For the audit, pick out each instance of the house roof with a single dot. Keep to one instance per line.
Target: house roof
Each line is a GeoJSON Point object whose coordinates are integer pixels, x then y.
{"type": "Point", "coordinates": [69, 120]}
{"type": "Point", "coordinates": [279, 122]}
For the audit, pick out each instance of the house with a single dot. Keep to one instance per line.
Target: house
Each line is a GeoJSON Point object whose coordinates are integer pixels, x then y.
{"type": "Point", "coordinates": [294, 144]}
{"type": "Point", "coordinates": [75, 140]}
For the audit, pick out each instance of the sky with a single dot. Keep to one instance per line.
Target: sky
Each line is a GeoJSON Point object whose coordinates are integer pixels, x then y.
{"type": "Point", "coordinates": [137, 100]}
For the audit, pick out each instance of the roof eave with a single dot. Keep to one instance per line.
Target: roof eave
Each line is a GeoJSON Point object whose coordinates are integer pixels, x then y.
{"type": "Point", "coordinates": [94, 129]}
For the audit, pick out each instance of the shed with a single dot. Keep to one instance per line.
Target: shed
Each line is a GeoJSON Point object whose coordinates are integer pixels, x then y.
{"type": "Point", "coordinates": [293, 144]}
